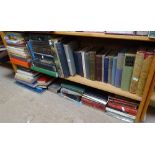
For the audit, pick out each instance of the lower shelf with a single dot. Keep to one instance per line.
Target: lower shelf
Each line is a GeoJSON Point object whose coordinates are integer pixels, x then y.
{"type": "Point", "coordinates": [103, 86]}
{"type": "Point", "coordinates": [44, 71]}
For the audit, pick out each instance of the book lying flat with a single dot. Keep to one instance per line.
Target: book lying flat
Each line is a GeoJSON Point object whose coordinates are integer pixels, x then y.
{"type": "Point", "coordinates": [55, 87]}
{"type": "Point", "coordinates": [67, 91]}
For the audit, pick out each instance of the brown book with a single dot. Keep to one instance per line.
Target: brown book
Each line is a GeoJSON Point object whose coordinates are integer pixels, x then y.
{"type": "Point", "coordinates": [148, 57]}
{"type": "Point", "coordinates": [98, 71]}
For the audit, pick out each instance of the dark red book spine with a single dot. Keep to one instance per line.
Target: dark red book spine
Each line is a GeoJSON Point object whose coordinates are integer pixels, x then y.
{"type": "Point", "coordinates": [92, 103]}
{"type": "Point", "coordinates": [98, 68]}
{"type": "Point", "coordinates": [122, 108]}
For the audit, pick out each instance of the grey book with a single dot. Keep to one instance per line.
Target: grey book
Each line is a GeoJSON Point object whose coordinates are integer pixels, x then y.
{"type": "Point", "coordinates": [69, 49]}
{"type": "Point", "coordinates": [55, 87]}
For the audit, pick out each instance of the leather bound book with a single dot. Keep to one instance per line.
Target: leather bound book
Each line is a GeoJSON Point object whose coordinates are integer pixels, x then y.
{"type": "Point", "coordinates": [148, 57]}
{"type": "Point", "coordinates": [63, 59]}
{"type": "Point", "coordinates": [127, 71]}
{"type": "Point", "coordinates": [98, 73]}
{"type": "Point", "coordinates": [78, 62]}
{"type": "Point", "coordinates": [119, 68]}
{"type": "Point", "coordinates": [136, 71]}
{"type": "Point", "coordinates": [92, 56]}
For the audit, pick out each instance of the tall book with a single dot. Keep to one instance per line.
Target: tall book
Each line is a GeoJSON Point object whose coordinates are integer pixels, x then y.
{"type": "Point", "coordinates": [69, 48]}
{"type": "Point", "coordinates": [98, 73]}
{"type": "Point", "coordinates": [106, 67]}
{"type": "Point", "coordinates": [136, 71]}
{"type": "Point", "coordinates": [63, 59]}
{"type": "Point", "coordinates": [127, 71]}
{"type": "Point", "coordinates": [92, 55]}
{"type": "Point", "coordinates": [144, 72]}
{"type": "Point", "coordinates": [114, 65]}
{"type": "Point", "coordinates": [119, 68]}
{"type": "Point", "coordinates": [78, 62]}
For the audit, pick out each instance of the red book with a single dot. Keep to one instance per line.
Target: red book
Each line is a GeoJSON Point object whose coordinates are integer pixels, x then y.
{"type": "Point", "coordinates": [44, 79]}
{"type": "Point", "coordinates": [92, 103]}
{"type": "Point", "coordinates": [123, 108]}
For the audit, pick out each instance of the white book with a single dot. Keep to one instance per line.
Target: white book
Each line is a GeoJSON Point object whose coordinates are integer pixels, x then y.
{"type": "Point", "coordinates": [83, 63]}
{"type": "Point", "coordinates": [31, 74]}
{"type": "Point", "coordinates": [120, 113]}
{"type": "Point", "coordinates": [2, 49]}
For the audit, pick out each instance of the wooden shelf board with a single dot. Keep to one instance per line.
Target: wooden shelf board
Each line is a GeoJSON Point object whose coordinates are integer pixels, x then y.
{"type": "Point", "coordinates": [103, 86]}
{"type": "Point", "coordinates": [103, 35]}
{"type": "Point", "coordinates": [153, 97]}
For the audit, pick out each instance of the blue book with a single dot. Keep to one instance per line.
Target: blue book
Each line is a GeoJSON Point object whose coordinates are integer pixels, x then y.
{"type": "Point", "coordinates": [114, 64]}
{"type": "Point", "coordinates": [63, 59]}
{"type": "Point", "coordinates": [30, 49]}
{"type": "Point", "coordinates": [78, 62]}
{"type": "Point", "coordinates": [119, 69]}
{"type": "Point", "coordinates": [106, 66]}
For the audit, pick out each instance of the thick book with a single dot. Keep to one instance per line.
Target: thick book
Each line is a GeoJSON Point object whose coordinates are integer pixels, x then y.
{"type": "Point", "coordinates": [142, 33]}
{"type": "Point", "coordinates": [114, 65]}
{"type": "Point", "coordinates": [127, 71]}
{"type": "Point", "coordinates": [92, 103]}
{"type": "Point", "coordinates": [106, 67]}
{"type": "Point", "coordinates": [98, 72]}
{"type": "Point", "coordinates": [69, 49]}
{"type": "Point", "coordinates": [85, 63]}
{"type": "Point", "coordinates": [119, 68]}
{"type": "Point", "coordinates": [67, 91]}
{"type": "Point", "coordinates": [110, 69]}
{"type": "Point", "coordinates": [63, 59]}
{"type": "Point", "coordinates": [28, 73]}
{"type": "Point", "coordinates": [144, 72]}
{"type": "Point", "coordinates": [92, 55]}
{"type": "Point", "coordinates": [78, 62]}
{"type": "Point", "coordinates": [136, 71]}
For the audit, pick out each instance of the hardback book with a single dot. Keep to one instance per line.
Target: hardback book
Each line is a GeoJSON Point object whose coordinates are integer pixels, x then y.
{"type": "Point", "coordinates": [119, 68]}
{"type": "Point", "coordinates": [120, 113]}
{"type": "Point", "coordinates": [44, 79]}
{"type": "Point", "coordinates": [121, 32]}
{"type": "Point", "coordinates": [92, 103]}
{"type": "Point", "coordinates": [136, 71]}
{"type": "Point", "coordinates": [28, 73]}
{"type": "Point", "coordinates": [20, 58]}
{"type": "Point", "coordinates": [67, 91]}
{"type": "Point", "coordinates": [144, 72]}
{"type": "Point", "coordinates": [69, 49]}
{"type": "Point", "coordinates": [106, 67]}
{"type": "Point", "coordinates": [85, 63]}
{"type": "Point", "coordinates": [98, 75]}
{"type": "Point", "coordinates": [142, 33]}
{"type": "Point", "coordinates": [63, 59]}
{"type": "Point", "coordinates": [128, 65]}
{"type": "Point", "coordinates": [114, 65]}
{"type": "Point", "coordinates": [151, 34]}
{"type": "Point", "coordinates": [78, 62]}
{"type": "Point", "coordinates": [70, 97]}
{"type": "Point", "coordinates": [33, 85]}
{"type": "Point", "coordinates": [73, 87]}
{"type": "Point", "coordinates": [92, 55]}
{"type": "Point", "coordinates": [122, 107]}
{"type": "Point", "coordinates": [52, 43]}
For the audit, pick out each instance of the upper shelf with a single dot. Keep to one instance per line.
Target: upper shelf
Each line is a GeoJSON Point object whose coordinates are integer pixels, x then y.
{"type": "Point", "coordinates": [103, 35]}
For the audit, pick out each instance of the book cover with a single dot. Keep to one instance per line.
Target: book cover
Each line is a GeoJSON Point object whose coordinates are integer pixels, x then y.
{"type": "Point", "coordinates": [106, 67]}
{"type": "Point", "coordinates": [63, 59]}
{"type": "Point", "coordinates": [119, 68]}
{"type": "Point", "coordinates": [69, 49]}
{"type": "Point", "coordinates": [67, 91]}
{"type": "Point", "coordinates": [114, 65]}
{"type": "Point", "coordinates": [98, 75]}
{"type": "Point", "coordinates": [92, 55]}
{"type": "Point", "coordinates": [136, 71]}
{"type": "Point", "coordinates": [128, 65]}
{"type": "Point", "coordinates": [78, 62]}
{"type": "Point", "coordinates": [110, 69]}
{"type": "Point", "coordinates": [144, 72]}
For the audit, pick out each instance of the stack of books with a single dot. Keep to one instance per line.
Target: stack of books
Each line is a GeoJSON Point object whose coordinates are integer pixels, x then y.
{"type": "Point", "coordinates": [122, 108]}
{"type": "Point", "coordinates": [43, 58]}
{"type": "Point", "coordinates": [16, 47]}
{"type": "Point", "coordinates": [3, 51]}
{"type": "Point", "coordinates": [95, 100]}
{"type": "Point", "coordinates": [32, 80]}
{"type": "Point", "coordinates": [72, 91]}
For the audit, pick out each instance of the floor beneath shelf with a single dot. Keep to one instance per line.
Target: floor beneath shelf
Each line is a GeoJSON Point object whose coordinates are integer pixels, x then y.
{"type": "Point", "coordinates": [21, 105]}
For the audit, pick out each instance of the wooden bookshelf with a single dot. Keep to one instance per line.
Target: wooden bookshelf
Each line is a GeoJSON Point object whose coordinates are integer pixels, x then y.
{"type": "Point", "coordinates": [103, 35]}
{"type": "Point", "coordinates": [153, 97]}
{"type": "Point", "coordinates": [103, 86]}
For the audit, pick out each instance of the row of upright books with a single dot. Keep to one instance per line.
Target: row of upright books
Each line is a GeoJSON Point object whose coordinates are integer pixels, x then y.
{"type": "Point", "coordinates": [126, 68]}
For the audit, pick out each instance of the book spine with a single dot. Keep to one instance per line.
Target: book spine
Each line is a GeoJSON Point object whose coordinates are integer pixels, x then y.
{"type": "Point", "coordinates": [70, 59]}
{"type": "Point", "coordinates": [136, 71]}
{"type": "Point", "coordinates": [87, 65]}
{"type": "Point", "coordinates": [63, 60]}
{"type": "Point", "coordinates": [83, 63]}
{"type": "Point", "coordinates": [103, 68]}
{"type": "Point", "coordinates": [92, 65]}
{"type": "Point", "coordinates": [106, 66]}
{"type": "Point", "coordinates": [127, 71]}
{"type": "Point", "coordinates": [110, 70]}
{"type": "Point", "coordinates": [114, 70]}
{"type": "Point", "coordinates": [144, 74]}
{"type": "Point", "coordinates": [98, 75]}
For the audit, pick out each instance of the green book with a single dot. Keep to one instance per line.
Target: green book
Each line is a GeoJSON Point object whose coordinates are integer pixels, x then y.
{"type": "Point", "coordinates": [127, 71]}
{"type": "Point", "coordinates": [92, 55]}
{"type": "Point", "coordinates": [73, 87]}
{"type": "Point", "coordinates": [44, 71]}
